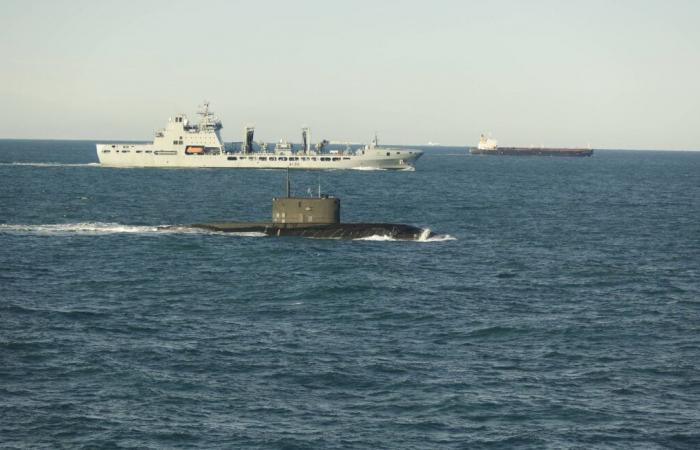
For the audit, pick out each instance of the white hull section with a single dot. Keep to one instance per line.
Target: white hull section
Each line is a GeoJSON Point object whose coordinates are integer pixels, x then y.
{"type": "Point", "coordinates": [145, 155]}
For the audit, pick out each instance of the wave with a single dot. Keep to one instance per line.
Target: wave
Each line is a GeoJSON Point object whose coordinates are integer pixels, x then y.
{"type": "Point", "coordinates": [407, 169]}
{"type": "Point", "coordinates": [99, 228]}
{"type": "Point", "coordinates": [377, 237]}
{"type": "Point", "coordinates": [78, 228]}
{"type": "Point", "coordinates": [386, 238]}
{"type": "Point", "coordinates": [244, 233]}
{"type": "Point", "coordinates": [368, 168]}
{"type": "Point", "coordinates": [440, 238]}
{"type": "Point", "coordinates": [50, 164]}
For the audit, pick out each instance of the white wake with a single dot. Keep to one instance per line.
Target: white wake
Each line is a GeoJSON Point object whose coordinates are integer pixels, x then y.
{"type": "Point", "coordinates": [368, 168]}
{"type": "Point", "coordinates": [377, 237]}
{"type": "Point", "coordinates": [440, 238]}
{"type": "Point", "coordinates": [79, 228]}
{"type": "Point", "coordinates": [422, 238]}
{"type": "Point", "coordinates": [102, 228]}
{"type": "Point", "coordinates": [407, 169]}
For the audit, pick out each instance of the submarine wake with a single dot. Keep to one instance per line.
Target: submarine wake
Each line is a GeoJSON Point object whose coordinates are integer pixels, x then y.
{"type": "Point", "coordinates": [92, 228]}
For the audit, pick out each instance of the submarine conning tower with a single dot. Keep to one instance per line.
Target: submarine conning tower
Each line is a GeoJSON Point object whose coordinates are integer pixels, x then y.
{"type": "Point", "coordinates": [320, 210]}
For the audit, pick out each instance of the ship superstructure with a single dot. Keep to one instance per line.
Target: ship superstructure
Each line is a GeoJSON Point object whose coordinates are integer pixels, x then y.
{"type": "Point", "coordinates": [487, 143]}
{"type": "Point", "coordinates": [184, 144]}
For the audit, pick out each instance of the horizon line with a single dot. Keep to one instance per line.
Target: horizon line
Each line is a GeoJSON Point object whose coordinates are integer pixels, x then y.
{"type": "Point", "coordinates": [425, 146]}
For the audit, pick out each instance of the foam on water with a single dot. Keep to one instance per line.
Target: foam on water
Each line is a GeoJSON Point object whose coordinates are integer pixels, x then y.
{"type": "Point", "coordinates": [439, 238]}
{"type": "Point", "coordinates": [368, 168]}
{"type": "Point", "coordinates": [377, 237]}
{"type": "Point", "coordinates": [246, 234]}
{"type": "Point", "coordinates": [423, 238]}
{"type": "Point", "coordinates": [88, 228]}
{"type": "Point", "coordinates": [79, 228]}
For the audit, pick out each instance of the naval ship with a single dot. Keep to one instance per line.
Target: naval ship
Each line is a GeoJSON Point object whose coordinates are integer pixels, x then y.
{"type": "Point", "coordinates": [316, 218]}
{"type": "Point", "coordinates": [185, 144]}
{"type": "Point", "coordinates": [488, 146]}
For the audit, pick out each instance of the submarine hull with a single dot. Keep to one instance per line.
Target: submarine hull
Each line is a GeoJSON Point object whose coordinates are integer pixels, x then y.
{"type": "Point", "coordinates": [324, 231]}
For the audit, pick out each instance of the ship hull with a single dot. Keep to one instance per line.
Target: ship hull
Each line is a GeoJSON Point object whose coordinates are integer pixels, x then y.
{"type": "Point", "coordinates": [316, 231]}
{"type": "Point", "coordinates": [135, 155]}
{"type": "Point", "coordinates": [535, 151]}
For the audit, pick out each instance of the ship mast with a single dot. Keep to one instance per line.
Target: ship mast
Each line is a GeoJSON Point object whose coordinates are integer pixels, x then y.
{"type": "Point", "coordinates": [306, 140]}
{"type": "Point", "coordinates": [208, 122]}
{"type": "Point", "coordinates": [289, 187]}
{"type": "Point", "coordinates": [247, 145]}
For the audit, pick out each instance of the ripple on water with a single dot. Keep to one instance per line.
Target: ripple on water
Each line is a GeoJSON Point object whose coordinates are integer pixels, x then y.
{"type": "Point", "coordinates": [562, 315]}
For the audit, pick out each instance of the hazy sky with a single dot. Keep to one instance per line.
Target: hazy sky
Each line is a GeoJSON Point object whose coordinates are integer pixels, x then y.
{"type": "Point", "coordinates": [612, 74]}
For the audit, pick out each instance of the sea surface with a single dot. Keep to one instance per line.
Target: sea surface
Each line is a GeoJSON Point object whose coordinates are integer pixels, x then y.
{"type": "Point", "coordinates": [559, 306]}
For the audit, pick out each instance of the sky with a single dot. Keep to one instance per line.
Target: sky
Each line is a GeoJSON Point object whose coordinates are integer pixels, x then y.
{"type": "Point", "coordinates": [604, 73]}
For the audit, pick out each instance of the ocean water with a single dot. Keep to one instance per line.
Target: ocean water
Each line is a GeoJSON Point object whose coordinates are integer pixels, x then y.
{"type": "Point", "coordinates": [559, 309]}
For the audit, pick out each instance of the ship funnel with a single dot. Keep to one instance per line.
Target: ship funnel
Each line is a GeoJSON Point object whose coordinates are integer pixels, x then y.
{"type": "Point", "coordinates": [247, 146]}
{"type": "Point", "coordinates": [306, 139]}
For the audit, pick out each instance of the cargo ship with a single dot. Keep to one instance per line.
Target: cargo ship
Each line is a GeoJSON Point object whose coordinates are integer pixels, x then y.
{"type": "Point", "coordinates": [488, 146]}
{"type": "Point", "coordinates": [185, 144]}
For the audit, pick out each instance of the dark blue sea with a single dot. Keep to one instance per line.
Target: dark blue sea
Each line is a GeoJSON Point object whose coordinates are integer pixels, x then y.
{"type": "Point", "coordinates": [560, 307]}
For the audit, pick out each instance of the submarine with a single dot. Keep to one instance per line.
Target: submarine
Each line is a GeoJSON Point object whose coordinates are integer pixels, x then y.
{"type": "Point", "coordinates": [317, 218]}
